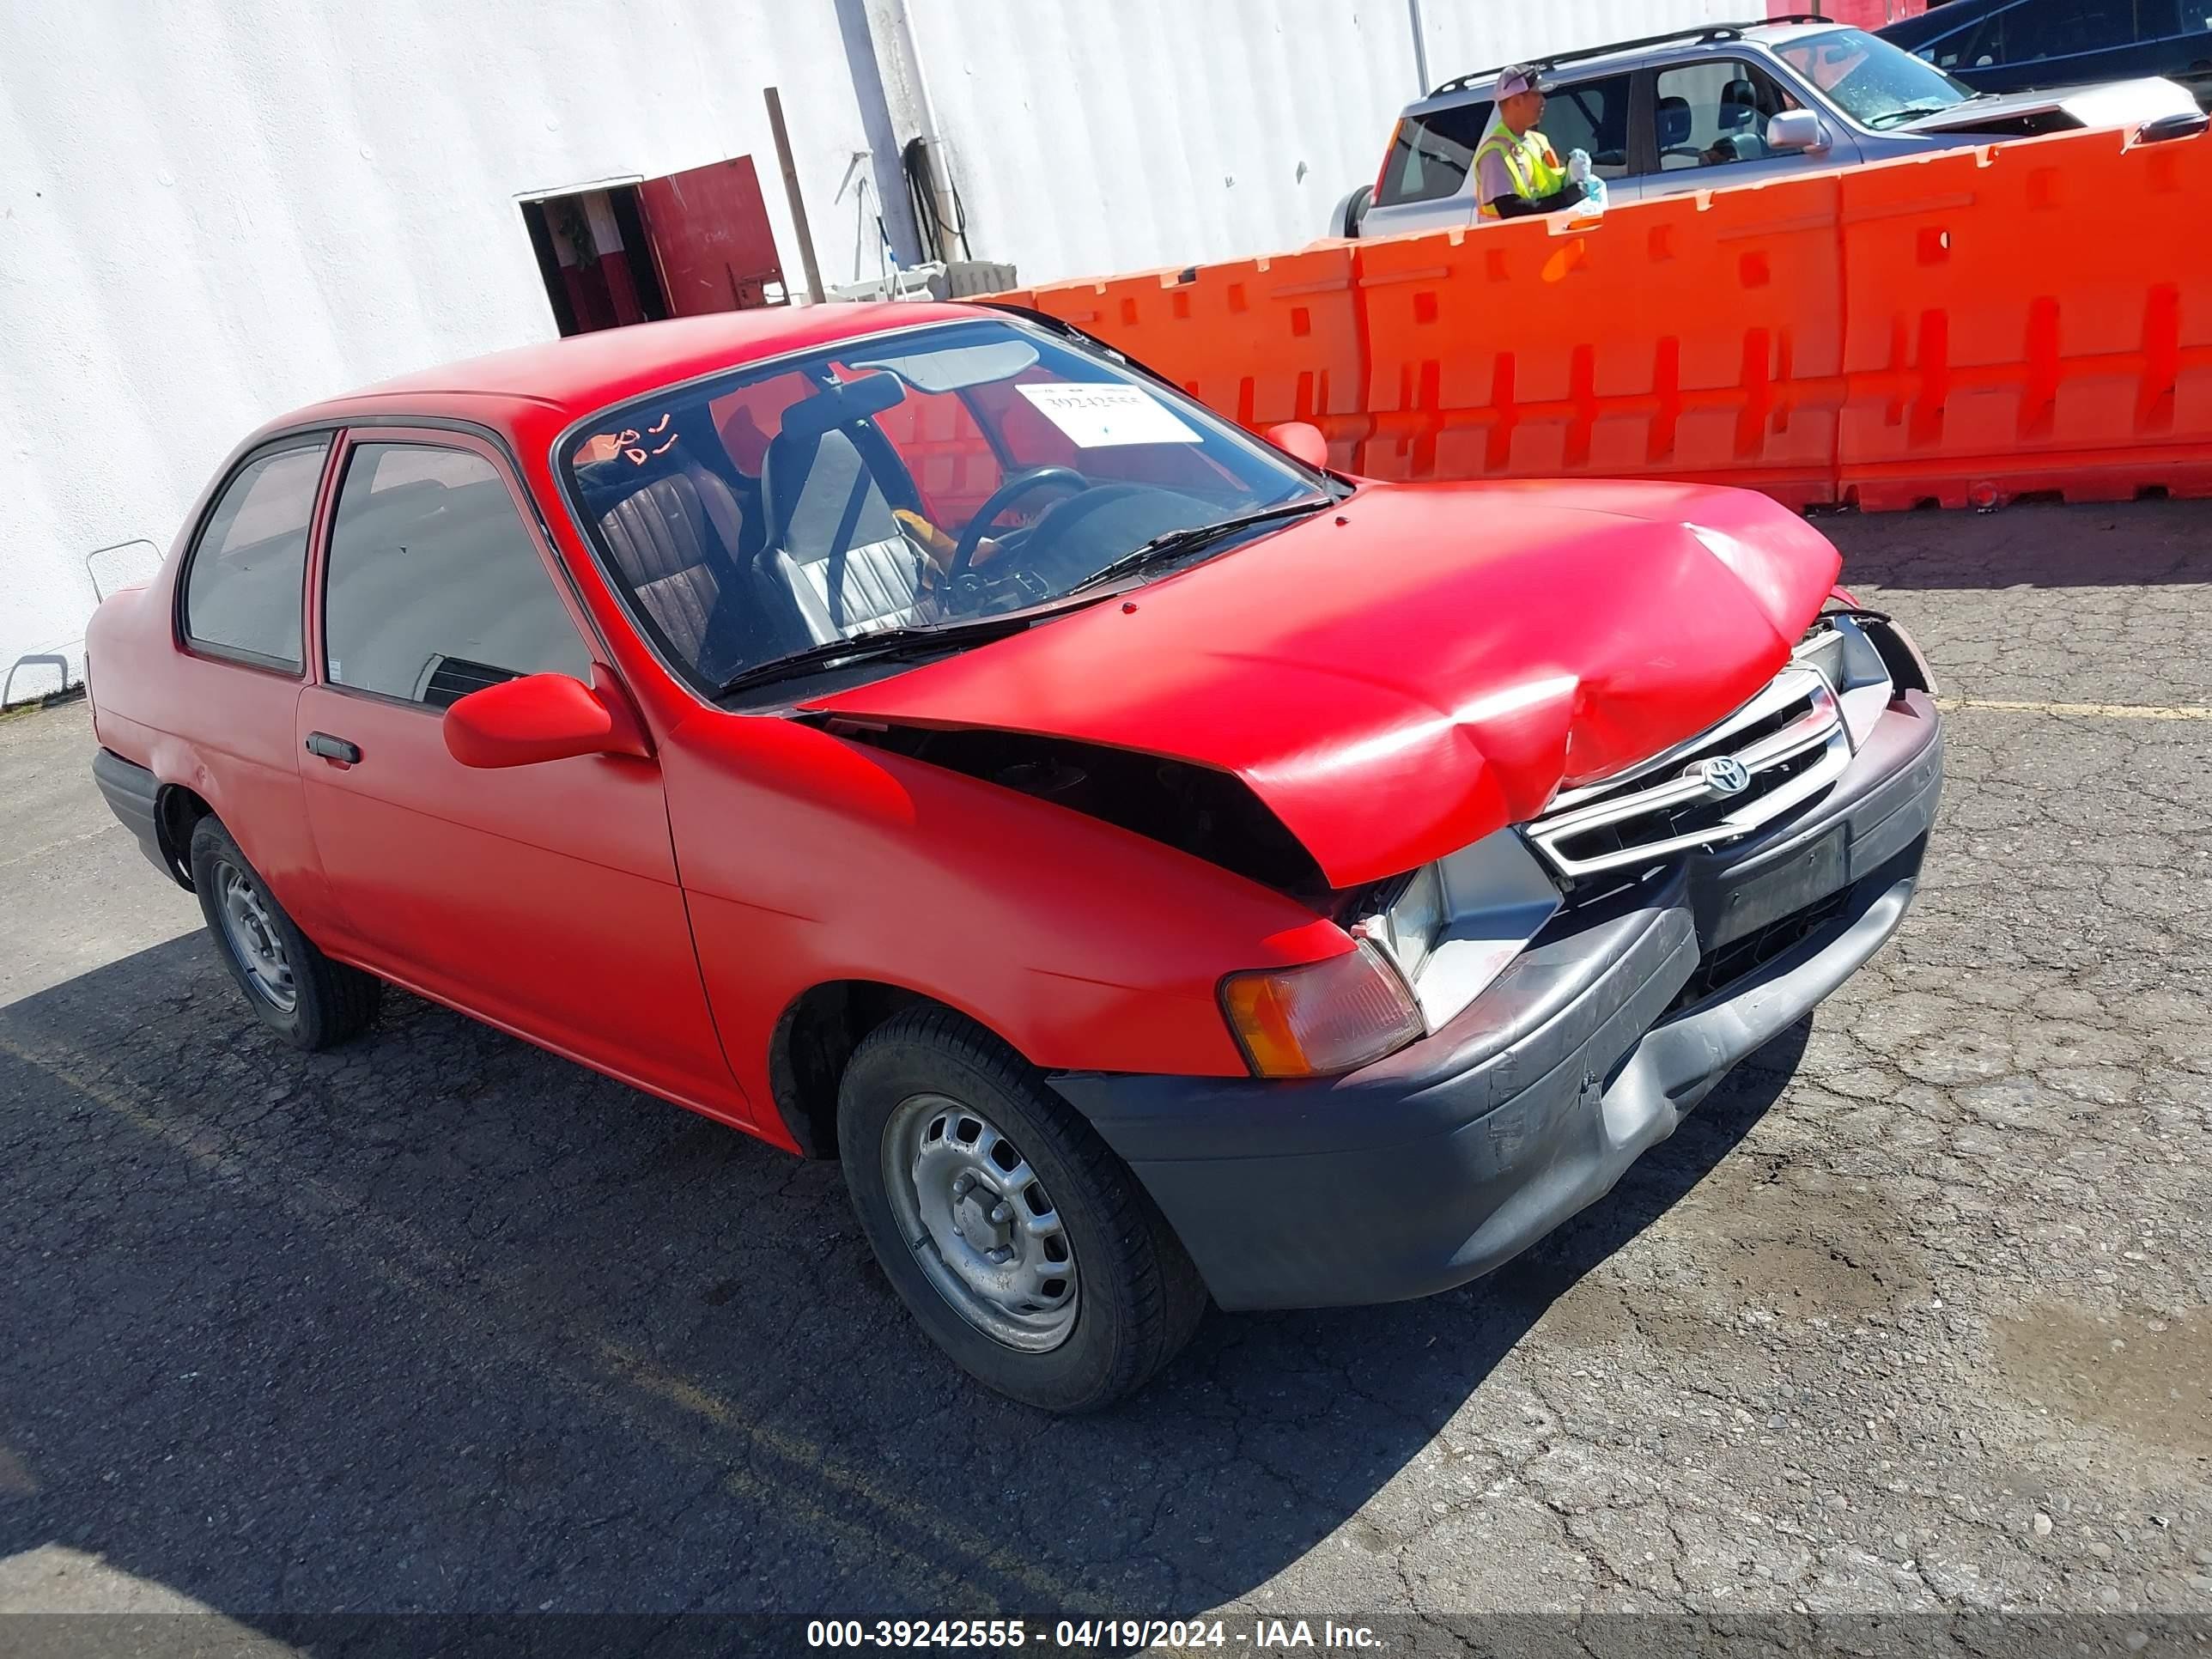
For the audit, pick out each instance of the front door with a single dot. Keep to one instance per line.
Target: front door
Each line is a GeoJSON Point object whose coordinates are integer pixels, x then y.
{"type": "Point", "coordinates": [543, 898]}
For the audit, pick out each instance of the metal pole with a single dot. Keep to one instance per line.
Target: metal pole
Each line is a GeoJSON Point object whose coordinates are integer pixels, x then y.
{"type": "Point", "coordinates": [814, 293]}
{"type": "Point", "coordinates": [898, 28]}
{"type": "Point", "coordinates": [1420, 48]}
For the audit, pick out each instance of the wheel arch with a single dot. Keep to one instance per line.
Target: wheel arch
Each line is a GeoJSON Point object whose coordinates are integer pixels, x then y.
{"type": "Point", "coordinates": [178, 809]}
{"type": "Point", "coordinates": [813, 1040]}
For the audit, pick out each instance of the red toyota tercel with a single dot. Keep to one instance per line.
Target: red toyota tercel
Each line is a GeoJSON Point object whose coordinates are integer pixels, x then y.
{"type": "Point", "coordinates": [1157, 867]}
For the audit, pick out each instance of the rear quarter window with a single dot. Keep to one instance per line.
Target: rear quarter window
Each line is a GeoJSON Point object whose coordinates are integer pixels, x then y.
{"type": "Point", "coordinates": [1429, 154]}
{"type": "Point", "coordinates": [242, 584]}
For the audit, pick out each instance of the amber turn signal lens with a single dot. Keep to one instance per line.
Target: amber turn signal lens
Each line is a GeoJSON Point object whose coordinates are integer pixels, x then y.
{"type": "Point", "coordinates": [1322, 1018]}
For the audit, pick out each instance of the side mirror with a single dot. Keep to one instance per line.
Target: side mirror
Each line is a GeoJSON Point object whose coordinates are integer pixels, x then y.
{"type": "Point", "coordinates": [2165, 128]}
{"type": "Point", "coordinates": [542, 717]}
{"type": "Point", "coordinates": [1302, 440]}
{"type": "Point", "coordinates": [1797, 129]}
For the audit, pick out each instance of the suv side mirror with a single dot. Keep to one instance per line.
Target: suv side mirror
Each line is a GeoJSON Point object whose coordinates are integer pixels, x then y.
{"type": "Point", "coordinates": [1303, 440]}
{"type": "Point", "coordinates": [542, 717]}
{"type": "Point", "coordinates": [1797, 129]}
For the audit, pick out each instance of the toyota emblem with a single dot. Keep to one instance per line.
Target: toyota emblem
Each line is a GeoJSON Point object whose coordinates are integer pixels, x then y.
{"type": "Point", "coordinates": [1725, 775]}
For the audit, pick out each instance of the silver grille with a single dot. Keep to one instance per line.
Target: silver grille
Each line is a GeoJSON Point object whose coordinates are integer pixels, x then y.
{"type": "Point", "coordinates": [1787, 744]}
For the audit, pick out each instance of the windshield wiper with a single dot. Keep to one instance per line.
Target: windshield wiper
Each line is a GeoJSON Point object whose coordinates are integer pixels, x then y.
{"type": "Point", "coordinates": [1174, 544]}
{"type": "Point", "coordinates": [1897, 118]}
{"type": "Point", "coordinates": [890, 644]}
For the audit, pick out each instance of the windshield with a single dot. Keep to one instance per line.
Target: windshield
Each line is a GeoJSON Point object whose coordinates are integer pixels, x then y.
{"type": "Point", "coordinates": [1876, 84]}
{"type": "Point", "coordinates": [920, 479]}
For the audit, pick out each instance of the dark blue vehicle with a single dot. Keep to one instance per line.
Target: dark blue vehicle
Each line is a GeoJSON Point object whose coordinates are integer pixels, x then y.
{"type": "Point", "coordinates": [2001, 45]}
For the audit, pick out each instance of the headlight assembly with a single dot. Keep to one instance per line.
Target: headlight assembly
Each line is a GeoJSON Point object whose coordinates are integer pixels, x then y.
{"type": "Point", "coordinates": [1454, 925]}
{"type": "Point", "coordinates": [1432, 946]}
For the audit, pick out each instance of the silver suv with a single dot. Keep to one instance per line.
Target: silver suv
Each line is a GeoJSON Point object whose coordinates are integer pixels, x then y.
{"type": "Point", "coordinates": [1729, 104]}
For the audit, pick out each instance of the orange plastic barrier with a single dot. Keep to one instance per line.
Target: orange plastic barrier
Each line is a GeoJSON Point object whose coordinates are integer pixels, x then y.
{"type": "Point", "coordinates": [1695, 336]}
{"type": "Point", "coordinates": [2034, 316]}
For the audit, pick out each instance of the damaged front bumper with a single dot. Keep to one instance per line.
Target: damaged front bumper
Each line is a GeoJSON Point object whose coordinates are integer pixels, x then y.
{"type": "Point", "coordinates": [1445, 1160]}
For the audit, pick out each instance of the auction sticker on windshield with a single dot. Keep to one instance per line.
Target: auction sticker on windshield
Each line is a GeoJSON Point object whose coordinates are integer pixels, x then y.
{"type": "Point", "coordinates": [1100, 416]}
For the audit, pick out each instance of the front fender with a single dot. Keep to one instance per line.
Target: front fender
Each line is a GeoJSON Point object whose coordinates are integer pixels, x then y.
{"type": "Point", "coordinates": [807, 858]}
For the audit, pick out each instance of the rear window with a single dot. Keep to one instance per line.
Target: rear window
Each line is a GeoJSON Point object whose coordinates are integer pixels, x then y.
{"type": "Point", "coordinates": [1429, 154]}
{"type": "Point", "coordinates": [242, 587]}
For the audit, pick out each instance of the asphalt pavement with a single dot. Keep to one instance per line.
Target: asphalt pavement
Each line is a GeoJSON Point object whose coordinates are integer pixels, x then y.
{"type": "Point", "coordinates": [1911, 1314]}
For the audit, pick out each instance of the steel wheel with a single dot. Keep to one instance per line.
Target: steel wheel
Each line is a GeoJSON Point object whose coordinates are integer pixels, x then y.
{"type": "Point", "coordinates": [981, 1227]}
{"type": "Point", "coordinates": [250, 932]}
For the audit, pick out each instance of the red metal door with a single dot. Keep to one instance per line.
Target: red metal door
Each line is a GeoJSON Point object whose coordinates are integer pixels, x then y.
{"type": "Point", "coordinates": [711, 238]}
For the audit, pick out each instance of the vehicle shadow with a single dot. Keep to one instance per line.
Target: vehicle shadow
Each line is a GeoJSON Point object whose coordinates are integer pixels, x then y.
{"type": "Point", "coordinates": [2030, 543]}
{"type": "Point", "coordinates": [437, 1322]}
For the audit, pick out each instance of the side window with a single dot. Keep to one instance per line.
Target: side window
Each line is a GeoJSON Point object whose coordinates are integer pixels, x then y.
{"type": "Point", "coordinates": [2064, 31]}
{"type": "Point", "coordinates": [1712, 114]}
{"type": "Point", "coordinates": [1978, 48]}
{"type": "Point", "coordinates": [434, 587]}
{"type": "Point", "coordinates": [1591, 115]}
{"type": "Point", "coordinates": [1429, 154]}
{"type": "Point", "coordinates": [242, 586]}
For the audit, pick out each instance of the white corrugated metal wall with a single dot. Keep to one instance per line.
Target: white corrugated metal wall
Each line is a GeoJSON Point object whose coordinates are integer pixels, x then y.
{"type": "Point", "coordinates": [216, 209]}
{"type": "Point", "coordinates": [1092, 138]}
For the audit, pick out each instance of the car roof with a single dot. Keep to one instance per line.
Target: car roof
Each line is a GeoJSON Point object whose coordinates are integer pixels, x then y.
{"type": "Point", "coordinates": [1582, 65]}
{"type": "Point", "coordinates": [560, 381]}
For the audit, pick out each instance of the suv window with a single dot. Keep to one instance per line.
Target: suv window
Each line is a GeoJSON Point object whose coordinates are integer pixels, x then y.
{"type": "Point", "coordinates": [1591, 115]}
{"type": "Point", "coordinates": [1970, 45]}
{"type": "Point", "coordinates": [1712, 114]}
{"type": "Point", "coordinates": [1429, 154]}
{"type": "Point", "coordinates": [2064, 31]}
{"type": "Point", "coordinates": [242, 586]}
{"type": "Point", "coordinates": [435, 588]}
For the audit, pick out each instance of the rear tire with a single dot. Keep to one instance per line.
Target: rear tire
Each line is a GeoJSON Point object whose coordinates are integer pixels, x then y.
{"type": "Point", "coordinates": [1026, 1249]}
{"type": "Point", "coordinates": [292, 988]}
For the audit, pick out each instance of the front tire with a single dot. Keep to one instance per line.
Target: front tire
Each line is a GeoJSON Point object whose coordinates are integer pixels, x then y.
{"type": "Point", "coordinates": [292, 988]}
{"type": "Point", "coordinates": [1024, 1247]}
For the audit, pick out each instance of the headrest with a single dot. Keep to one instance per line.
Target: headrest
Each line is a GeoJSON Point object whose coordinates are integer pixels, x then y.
{"type": "Point", "coordinates": [606, 485]}
{"type": "Point", "coordinates": [841, 404]}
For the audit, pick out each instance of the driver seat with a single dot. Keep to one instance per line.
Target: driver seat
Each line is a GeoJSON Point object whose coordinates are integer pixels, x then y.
{"type": "Point", "coordinates": [1740, 119]}
{"type": "Point", "coordinates": [833, 542]}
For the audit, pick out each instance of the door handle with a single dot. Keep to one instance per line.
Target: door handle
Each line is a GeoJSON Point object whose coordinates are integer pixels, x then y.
{"type": "Point", "coordinates": [333, 749]}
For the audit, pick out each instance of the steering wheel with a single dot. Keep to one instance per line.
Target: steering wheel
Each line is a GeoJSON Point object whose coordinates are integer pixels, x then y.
{"type": "Point", "coordinates": [1036, 477]}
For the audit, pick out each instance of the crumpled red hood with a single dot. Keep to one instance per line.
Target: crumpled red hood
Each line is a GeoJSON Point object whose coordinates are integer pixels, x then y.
{"type": "Point", "coordinates": [1402, 676]}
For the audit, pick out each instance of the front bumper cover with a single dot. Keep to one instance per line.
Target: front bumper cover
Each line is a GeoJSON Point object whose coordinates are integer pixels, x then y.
{"type": "Point", "coordinates": [1449, 1157]}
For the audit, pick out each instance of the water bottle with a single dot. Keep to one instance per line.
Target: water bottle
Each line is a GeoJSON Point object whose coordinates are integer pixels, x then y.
{"type": "Point", "coordinates": [1579, 170]}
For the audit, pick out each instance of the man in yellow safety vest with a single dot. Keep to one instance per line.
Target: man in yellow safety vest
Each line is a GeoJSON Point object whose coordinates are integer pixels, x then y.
{"type": "Point", "coordinates": [1516, 172]}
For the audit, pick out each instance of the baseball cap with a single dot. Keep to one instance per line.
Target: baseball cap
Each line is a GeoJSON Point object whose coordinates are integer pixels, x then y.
{"type": "Point", "coordinates": [1517, 80]}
